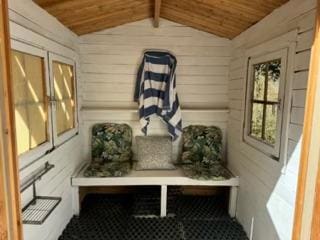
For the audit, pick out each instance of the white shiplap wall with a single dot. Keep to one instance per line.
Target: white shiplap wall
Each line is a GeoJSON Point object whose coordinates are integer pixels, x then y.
{"type": "Point", "coordinates": [31, 24]}
{"type": "Point", "coordinates": [110, 60]}
{"type": "Point", "coordinates": [267, 190]}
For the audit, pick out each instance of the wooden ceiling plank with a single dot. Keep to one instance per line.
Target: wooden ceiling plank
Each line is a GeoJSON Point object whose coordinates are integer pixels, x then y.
{"type": "Point", "coordinates": [206, 21]}
{"type": "Point", "coordinates": [48, 3]}
{"type": "Point", "coordinates": [114, 17]}
{"type": "Point", "coordinates": [92, 6]}
{"type": "Point", "coordinates": [226, 18]}
{"type": "Point", "coordinates": [202, 12]}
{"type": "Point", "coordinates": [256, 7]}
{"type": "Point", "coordinates": [86, 16]}
{"type": "Point", "coordinates": [157, 7]}
{"type": "Point", "coordinates": [229, 10]}
{"type": "Point", "coordinates": [100, 25]}
{"type": "Point", "coordinates": [189, 20]}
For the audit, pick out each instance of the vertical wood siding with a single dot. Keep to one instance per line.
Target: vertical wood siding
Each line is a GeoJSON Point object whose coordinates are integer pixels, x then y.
{"type": "Point", "coordinates": [268, 193]}
{"type": "Point", "coordinates": [110, 60]}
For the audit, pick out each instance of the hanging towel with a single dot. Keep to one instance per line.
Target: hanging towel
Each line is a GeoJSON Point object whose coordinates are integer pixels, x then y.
{"type": "Point", "coordinates": [156, 92]}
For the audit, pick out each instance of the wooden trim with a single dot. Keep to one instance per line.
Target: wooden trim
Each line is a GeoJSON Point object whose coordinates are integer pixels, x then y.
{"type": "Point", "coordinates": [157, 7]}
{"type": "Point", "coordinates": [307, 140]}
{"type": "Point", "coordinates": [9, 167]}
{"type": "Point", "coordinates": [315, 227]}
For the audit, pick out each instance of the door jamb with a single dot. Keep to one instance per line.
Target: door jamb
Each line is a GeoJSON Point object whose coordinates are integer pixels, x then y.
{"type": "Point", "coordinates": [10, 211]}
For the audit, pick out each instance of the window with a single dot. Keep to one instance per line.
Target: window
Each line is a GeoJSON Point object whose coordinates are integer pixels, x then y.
{"type": "Point", "coordinates": [64, 93]}
{"type": "Point", "coordinates": [64, 97]}
{"type": "Point", "coordinates": [45, 104]}
{"type": "Point", "coordinates": [31, 91]}
{"type": "Point", "coordinates": [264, 101]}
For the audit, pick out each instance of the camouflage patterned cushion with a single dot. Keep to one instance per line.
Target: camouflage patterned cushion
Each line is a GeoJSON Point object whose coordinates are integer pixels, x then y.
{"type": "Point", "coordinates": [111, 169]}
{"type": "Point", "coordinates": [202, 153]}
{"type": "Point", "coordinates": [111, 142]}
{"type": "Point", "coordinates": [111, 150]}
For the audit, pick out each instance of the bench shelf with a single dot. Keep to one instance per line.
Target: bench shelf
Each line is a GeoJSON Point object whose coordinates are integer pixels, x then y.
{"type": "Point", "coordinates": [162, 178]}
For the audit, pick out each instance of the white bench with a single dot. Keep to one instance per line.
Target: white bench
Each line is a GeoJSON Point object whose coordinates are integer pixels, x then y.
{"type": "Point", "coordinates": [162, 178]}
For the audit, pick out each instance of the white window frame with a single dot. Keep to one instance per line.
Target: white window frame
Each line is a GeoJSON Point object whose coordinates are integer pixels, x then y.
{"type": "Point", "coordinates": [281, 54]}
{"type": "Point", "coordinates": [33, 154]}
{"type": "Point", "coordinates": [58, 140]}
{"type": "Point", "coordinates": [288, 41]}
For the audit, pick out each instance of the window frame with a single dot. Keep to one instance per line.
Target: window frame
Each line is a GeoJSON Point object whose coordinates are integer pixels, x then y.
{"type": "Point", "coordinates": [42, 149]}
{"type": "Point", "coordinates": [272, 151]}
{"type": "Point", "coordinates": [60, 139]}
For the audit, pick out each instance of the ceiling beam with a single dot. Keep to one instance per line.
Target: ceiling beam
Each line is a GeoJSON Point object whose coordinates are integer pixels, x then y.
{"type": "Point", "coordinates": [157, 7]}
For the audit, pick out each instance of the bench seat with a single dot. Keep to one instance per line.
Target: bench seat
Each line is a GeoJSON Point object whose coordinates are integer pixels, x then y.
{"type": "Point", "coordinates": [162, 178]}
{"type": "Point", "coordinates": [149, 177]}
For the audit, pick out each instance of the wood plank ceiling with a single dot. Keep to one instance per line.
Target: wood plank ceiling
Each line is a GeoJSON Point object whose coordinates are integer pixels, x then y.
{"type": "Point", "coordinates": [225, 18]}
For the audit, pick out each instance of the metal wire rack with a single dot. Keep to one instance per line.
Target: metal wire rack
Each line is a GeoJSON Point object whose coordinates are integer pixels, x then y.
{"type": "Point", "coordinates": [40, 207]}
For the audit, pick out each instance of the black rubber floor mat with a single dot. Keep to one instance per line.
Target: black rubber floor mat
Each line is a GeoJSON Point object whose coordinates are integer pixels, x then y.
{"type": "Point", "coordinates": [201, 208]}
{"type": "Point", "coordinates": [146, 202]}
{"type": "Point", "coordinates": [94, 229]}
{"type": "Point", "coordinates": [213, 230]}
{"type": "Point", "coordinates": [153, 229]}
{"type": "Point", "coordinates": [102, 217]}
{"type": "Point", "coordinates": [109, 217]}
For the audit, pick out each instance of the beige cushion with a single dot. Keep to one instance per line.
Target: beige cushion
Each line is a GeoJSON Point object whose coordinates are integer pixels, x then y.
{"type": "Point", "coordinates": [154, 152]}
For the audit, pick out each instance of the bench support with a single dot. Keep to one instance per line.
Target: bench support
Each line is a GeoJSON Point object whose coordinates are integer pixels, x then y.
{"type": "Point", "coordinates": [233, 201]}
{"type": "Point", "coordinates": [75, 200]}
{"type": "Point", "coordinates": [164, 190]}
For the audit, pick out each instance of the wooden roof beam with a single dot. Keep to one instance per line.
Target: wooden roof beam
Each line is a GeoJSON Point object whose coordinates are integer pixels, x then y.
{"type": "Point", "coordinates": [157, 7]}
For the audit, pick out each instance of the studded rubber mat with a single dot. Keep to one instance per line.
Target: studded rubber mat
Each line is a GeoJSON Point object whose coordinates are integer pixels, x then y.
{"type": "Point", "coordinates": [201, 208]}
{"type": "Point", "coordinates": [114, 217]}
{"type": "Point", "coordinates": [146, 201]}
{"type": "Point", "coordinates": [213, 230]}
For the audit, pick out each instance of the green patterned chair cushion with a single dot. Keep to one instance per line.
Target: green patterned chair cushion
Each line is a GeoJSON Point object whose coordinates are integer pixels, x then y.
{"type": "Point", "coordinates": [111, 150]}
{"type": "Point", "coordinates": [111, 169]}
{"type": "Point", "coordinates": [202, 153]}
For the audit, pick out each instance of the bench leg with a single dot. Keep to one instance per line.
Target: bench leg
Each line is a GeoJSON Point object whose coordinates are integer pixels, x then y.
{"type": "Point", "coordinates": [76, 201]}
{"type": "Point", "coordinates": [163, 212]}
{"type": "Point", "coordinates": [233, 201]}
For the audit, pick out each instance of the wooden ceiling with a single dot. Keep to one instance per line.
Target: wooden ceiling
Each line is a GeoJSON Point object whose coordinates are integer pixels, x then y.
{"type": "Point", "coordinates": [225, 18]}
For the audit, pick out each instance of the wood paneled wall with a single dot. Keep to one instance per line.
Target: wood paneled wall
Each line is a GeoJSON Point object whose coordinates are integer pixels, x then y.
{"type": "Point", "coordinates": [110, 59]}
{"type": "Point", "coordinates": [31, 24]}
{"type": "Point", "coordinates": [267, 188]}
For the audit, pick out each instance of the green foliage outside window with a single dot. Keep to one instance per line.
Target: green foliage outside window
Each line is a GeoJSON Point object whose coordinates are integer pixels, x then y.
{"type": "Point", "coordinates": [265, 101]}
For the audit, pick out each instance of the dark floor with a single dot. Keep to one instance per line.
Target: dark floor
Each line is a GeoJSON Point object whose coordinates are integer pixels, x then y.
{"type": "Point", "coordinates": [126, 217]}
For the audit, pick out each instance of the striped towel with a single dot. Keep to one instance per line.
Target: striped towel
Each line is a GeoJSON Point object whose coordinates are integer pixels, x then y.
{"type": "Point", "coordinates": [156, 91]}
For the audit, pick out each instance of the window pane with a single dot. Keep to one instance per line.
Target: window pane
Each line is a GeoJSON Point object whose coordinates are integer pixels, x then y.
{"type": "Point", "coordinates": [30, 101]}
{"type": "Point", "coordinates": [64, 94]}
{"type": "Point", "coordinates": [259, 81]}
{"type": "Point", "coordinates": [271, 124]}
{"type": "Point", "coordinates": [38, 127]}
{"type": "Point", "coordinates": [35, 78]}
{"type": "Point", "coordinates": [22, 129]}
{"type": "Point", "coordinates": [19, 78]}
{"type": "Point", "coordinates": [273, 80]}
{"type": "Point", "coordinates": [256, 120]}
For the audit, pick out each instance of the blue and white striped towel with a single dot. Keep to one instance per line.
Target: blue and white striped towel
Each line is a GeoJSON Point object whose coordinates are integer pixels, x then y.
{"type": "Point", "coordinates": [156, 91]}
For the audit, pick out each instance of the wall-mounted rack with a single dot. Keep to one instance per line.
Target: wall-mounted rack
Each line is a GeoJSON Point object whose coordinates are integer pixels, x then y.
{"type": "Point", "coordinates": [40, 207]}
